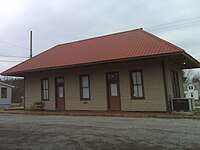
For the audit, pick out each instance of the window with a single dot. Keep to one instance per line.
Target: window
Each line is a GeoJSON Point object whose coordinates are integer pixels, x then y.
{"type": "Point", "coordinates": [137, 86]}
{"type": "Point", "coordinates": [84, 87]}
{"type": "Point", "coordinates": [3, 92]}
{"type": "Point", "coordinates": [192, 95]}
{"type": "Point", "coordinates": [190, 87]}
{"type": "Point", "coordinates": [45, 89]}
{"type": "Point", "coordinates": [113, 88]}
{"type": "Point", "coordinates": [175, 84]}
{"type": "Point", "coordinates": [113, 76]}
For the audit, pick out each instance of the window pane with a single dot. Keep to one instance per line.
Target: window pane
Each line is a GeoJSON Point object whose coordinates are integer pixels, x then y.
{"type": "Point", "coordinates": [3, 92]}
{"type": "Point", "coordinates": [47, 94]}
{"type": "Point", "coordinates": [43, 84]}
{"type": "Point", "coordinates": [86, 93]}
{"type": "Point", "coordinates": [140, 91]}
{"type": "Point", "coordinates": [135, 90]}
{"type": "Point", "coordinates": [85, 81]}
{"type": "Point", "coordinates": [45, 89]}
{"type": "Point", "coordinates": [112, 76]}
{"type": "Point", "coordinates": [59, 81]}
{"type": "Point", "coordinates": [139, 80]}
{"type": "Point", "coordinates": [44, 95]}
{"type": "Point", "coordinates": [61, 92]}
{"type": "Point", "coordinates": [134, 78]}
{"type": "Point", "coordinates": [113, 89]}
{"type": "Point", "coordinates": [47, 84]}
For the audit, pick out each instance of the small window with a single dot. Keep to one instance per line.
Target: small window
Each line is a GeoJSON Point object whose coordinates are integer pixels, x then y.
{"type": "Point", "coordinates": [113, 87]}
{"type": "Point", "coordinates": [45, 89]}
{"type": "Point", "coordinates": [190, 87]}
{"type": "Point", "coordinates": [3, 92]}
{"type": "Point", "coordinates": [192, 95]}
{"type": "Point", "coordinates": [84, 87]}
{"type": "Point", "coordinates": [114, 76]}
{"type": "Point", "coordinates": [137, 86]}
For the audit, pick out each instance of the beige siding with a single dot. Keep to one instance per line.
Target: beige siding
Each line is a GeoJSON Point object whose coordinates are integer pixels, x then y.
{"type": "Point", "coordinates": [153, 86]}
{"type": "Point", "coordinates": [33, 90]}
{"type": "Point", "coordinates": [97, 90]}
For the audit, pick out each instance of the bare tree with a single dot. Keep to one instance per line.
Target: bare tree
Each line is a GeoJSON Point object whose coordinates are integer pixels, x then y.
{"type": "Point", "coordinates": [196, 77]}
{"type": "Point", "coordinates": [187, 75]}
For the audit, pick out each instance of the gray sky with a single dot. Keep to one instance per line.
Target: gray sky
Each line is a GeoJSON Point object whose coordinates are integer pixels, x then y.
{"type": "Point", "coordinates": [60, 21]}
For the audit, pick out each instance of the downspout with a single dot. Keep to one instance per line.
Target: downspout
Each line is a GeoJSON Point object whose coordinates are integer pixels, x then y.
{"type": "Point", "coordinates": [165, 86]}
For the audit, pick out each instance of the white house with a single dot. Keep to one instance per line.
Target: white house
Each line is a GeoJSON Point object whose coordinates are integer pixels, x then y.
{"type": "Point", "coordinates": [5, 94]}
{"type": "Point", "coordinates": [191, 90]}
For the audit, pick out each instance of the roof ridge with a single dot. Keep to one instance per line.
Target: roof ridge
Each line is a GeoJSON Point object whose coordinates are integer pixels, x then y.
{"type": "Point", "coordinates": [162, 40]}
{"type": "Point", "coordinates": [102, 36]}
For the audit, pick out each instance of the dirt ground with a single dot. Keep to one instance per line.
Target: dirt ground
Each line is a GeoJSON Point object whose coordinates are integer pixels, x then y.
{"type": "Point", "coordinates": [18, 131]}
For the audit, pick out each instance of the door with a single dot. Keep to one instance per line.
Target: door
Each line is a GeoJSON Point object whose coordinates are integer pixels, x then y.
{"type": "Point", "coordinates": [60, 96]}
{"type": "Point", "coordinates": [113, 91]}
{"type": "Point", "coordinates": [175, 84]}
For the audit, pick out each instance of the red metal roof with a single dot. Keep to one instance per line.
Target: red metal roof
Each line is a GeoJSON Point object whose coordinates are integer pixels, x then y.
{"type": "Point", "coordinates": [123, 45]}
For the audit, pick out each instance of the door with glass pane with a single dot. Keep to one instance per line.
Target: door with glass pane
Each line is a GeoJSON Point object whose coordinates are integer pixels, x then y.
{"type": "Point", "coordinates": [60, 96]}
{"type": "Point", "coordinates": [113, 91]}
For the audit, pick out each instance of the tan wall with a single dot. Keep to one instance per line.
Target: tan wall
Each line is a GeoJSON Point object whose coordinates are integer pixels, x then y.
{"type": "Point", "coordinates": [33, 90]}
{"type": "Point", "coordinates": [153, 87]}
{"type": "Point", "coordinates": [97, 90]}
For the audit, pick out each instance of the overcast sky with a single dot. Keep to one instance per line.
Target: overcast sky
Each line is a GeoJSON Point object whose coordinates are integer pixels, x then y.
{"type": "Point", "coordinates": [60, 21]}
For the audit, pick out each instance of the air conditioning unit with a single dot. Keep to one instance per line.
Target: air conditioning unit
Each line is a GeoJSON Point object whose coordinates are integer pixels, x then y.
{"type": "Point", "coordinates": [183, 104]}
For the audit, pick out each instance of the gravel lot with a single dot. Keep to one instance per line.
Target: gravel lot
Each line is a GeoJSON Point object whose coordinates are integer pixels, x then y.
{"type": "Point", "coordinates": [87, 132]}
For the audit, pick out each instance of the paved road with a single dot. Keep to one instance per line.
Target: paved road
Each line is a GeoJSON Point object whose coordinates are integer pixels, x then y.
{"type": "Point", "coordinates": [73, 132]}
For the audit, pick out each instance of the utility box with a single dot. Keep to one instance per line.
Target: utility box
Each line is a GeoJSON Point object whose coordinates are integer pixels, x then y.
{"type": "Point", "coordinates": [183, 104]}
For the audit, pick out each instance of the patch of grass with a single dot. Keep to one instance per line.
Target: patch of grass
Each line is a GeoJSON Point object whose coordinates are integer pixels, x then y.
{"type": "Point", "coordinates": [197, 113]}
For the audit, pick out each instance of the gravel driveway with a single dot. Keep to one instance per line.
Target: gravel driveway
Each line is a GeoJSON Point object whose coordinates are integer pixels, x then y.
{"type": "Point", "coordinates": [88, 132]}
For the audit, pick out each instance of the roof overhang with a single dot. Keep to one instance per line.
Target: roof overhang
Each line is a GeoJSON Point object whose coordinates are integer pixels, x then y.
{"type": "Point", "coordinates": [184, 60]}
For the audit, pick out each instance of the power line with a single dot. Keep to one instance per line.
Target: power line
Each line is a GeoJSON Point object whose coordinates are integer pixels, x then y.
{"type": "Point", "coordinates": [13, 56]}
{"type": "Point", "coordinates": [15, 45]}
{"type": "Point", "coordinates": [164, 29]}
{"type": "Point", "coordinates": [10, 61]}
{"type": "Point", "coordinates": [175, 24]}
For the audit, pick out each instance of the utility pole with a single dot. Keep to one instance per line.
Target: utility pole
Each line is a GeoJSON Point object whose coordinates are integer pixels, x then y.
{"type": "Point", "coordinates": [31, 50]}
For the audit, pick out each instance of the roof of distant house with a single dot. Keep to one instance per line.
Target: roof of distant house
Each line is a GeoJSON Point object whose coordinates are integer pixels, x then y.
{"type": "Point", "coordinates": [114, 47]}
{"type": "Point", "coordinates": [7, 85]}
